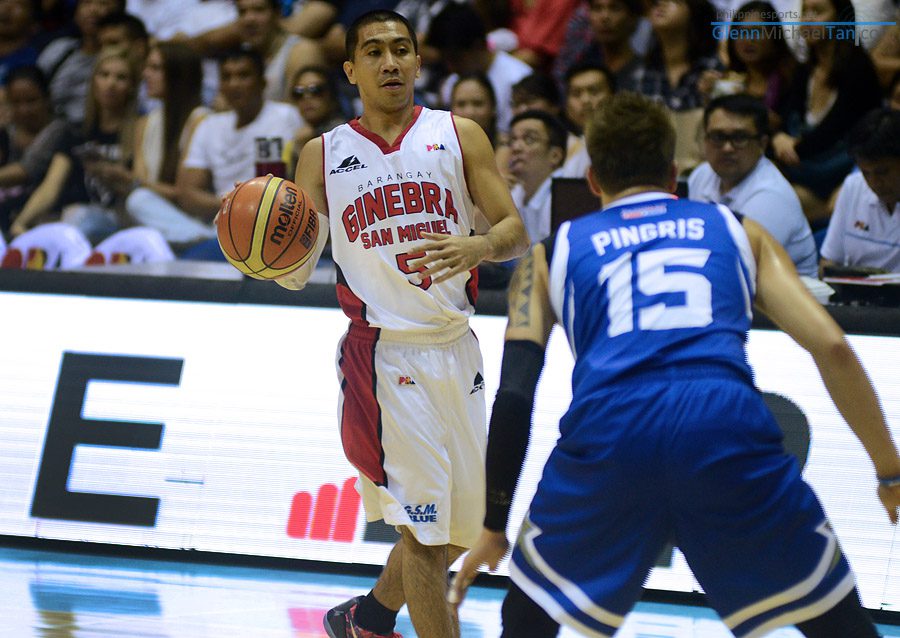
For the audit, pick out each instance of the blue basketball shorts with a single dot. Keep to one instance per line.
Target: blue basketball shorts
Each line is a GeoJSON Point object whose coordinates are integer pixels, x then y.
{"type": "Point", "coordinates": [691, 457]}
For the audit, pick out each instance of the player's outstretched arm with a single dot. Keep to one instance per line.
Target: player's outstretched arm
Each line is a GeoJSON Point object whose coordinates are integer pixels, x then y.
{"type": "Point", "coordinates": [309, 177]}
{"type": "Point", "coordinates": [527, 332]}
{"type": "Point", "coordinates": [786, 301]}
{"type": "Point", "coordinates": [448, 255]}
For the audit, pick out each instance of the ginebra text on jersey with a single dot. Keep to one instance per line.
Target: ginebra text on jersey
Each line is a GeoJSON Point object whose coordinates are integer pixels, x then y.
{"type": "Point", "coordinates": [392, 200]}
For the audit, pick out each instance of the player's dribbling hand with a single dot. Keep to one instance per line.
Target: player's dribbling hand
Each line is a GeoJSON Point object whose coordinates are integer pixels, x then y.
{"type": "Point", "coordinates": [489, 549]}
{"type": "Point", "coordinates": [450, 255]}
{"type": "Point", "coordinates": [890, 498]}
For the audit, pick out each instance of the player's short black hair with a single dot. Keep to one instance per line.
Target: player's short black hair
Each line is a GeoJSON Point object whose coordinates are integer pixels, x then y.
{"type": "Point", "coordinates": [29, 73]}
{"type": "Point", "coordinates": [740, 104]}
{"type": "Point", "coordinates": [134, 26]}
{"type": "Point", "coordinates": [379, 15]}
{"type": "Point", "coordinates": [591, 65]}
{"type": "Point", "coordinates": [556, 131]}
{"type": "Point", "coordinates": [876, 136]}
{"type": "Point", "coordinates": [244, 53]}
{"type": "Point", "coordinates": [458, 27]}
{"type": "Point", "coordinates": [631, 142]}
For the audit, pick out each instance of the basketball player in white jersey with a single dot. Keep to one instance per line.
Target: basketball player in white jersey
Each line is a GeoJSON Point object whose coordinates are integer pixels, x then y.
{"type": "Point", "coordinates": [400, 202]}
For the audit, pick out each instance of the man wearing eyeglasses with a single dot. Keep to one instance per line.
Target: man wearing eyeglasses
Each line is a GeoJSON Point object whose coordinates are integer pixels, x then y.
{"type": "Point", "coordinates": [737, 175]}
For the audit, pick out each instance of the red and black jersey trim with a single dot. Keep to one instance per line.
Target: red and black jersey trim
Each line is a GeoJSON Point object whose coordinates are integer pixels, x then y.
{"type": "Point", "coordinates": [361, 424]}
{"type": "Point", "coordinates": [353, 306]}
{"type": "Point", "coordinates": [379, 141]}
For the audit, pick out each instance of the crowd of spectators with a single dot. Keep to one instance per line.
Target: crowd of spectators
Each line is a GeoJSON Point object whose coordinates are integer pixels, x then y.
{"type": "Point", "coordinates": [117, 114]}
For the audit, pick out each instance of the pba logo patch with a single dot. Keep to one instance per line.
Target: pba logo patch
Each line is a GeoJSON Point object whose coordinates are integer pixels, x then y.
{"type": "Point", "coordinates": [406, 381]}
{"type": "Point", "coordinates": [435, 147]}
{"type": "Point", "coordinates": [644, 211]}
{"type": "Point", "coordinates": [861, 225]}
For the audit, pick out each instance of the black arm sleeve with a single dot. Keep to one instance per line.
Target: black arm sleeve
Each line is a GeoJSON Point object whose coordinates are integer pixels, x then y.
{"type": "Point", "coordinates": [510, 427]}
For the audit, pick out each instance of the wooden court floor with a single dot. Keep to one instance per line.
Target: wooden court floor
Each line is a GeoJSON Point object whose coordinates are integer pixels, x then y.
{"type": "Point", "coordinates": [53, 594]}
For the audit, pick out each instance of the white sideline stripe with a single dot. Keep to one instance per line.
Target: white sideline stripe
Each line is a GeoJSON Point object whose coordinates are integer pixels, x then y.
{"type": "Point", "coordinates": [794, 593]}
{"type": "Point", "coordinates": [810, 611]}
{"type": "Point", "coordinates": [548, 603]}
{"type": "Point", "coordinates": [569, 589]}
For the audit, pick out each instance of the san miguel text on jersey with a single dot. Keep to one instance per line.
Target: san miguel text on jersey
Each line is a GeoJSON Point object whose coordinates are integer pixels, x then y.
{"type": "Point", "coordinates": [410, 193]}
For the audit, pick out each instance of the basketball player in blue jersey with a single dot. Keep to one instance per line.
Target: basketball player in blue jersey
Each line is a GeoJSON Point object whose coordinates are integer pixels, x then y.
{"type": "Point", "coordinates": [666, 437]}
{"type": "Point", "coordinates": [399, 186]}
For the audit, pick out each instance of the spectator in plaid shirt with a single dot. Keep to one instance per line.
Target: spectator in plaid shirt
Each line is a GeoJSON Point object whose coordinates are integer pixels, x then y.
{"type": "Point", "coordinates": [682, 65]}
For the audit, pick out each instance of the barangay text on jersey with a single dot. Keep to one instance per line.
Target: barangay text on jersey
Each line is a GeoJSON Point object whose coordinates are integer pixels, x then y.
{"type": "Point", "coordinates": [393, 195]}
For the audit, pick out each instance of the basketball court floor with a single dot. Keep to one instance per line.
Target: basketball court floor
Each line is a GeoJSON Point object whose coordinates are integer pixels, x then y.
{"type": "Point", "coordinates": [53, 594]}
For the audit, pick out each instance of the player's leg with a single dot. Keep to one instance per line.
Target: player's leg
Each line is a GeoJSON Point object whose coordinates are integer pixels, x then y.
{"type": "Point", "coordinates": [847, 618]}
{"type": "Point", "coordinates": [752, 531]}
{"type": "Point", "coordinates": [425, 587]}
{"type": "Point", "coordinates": [524, 617]}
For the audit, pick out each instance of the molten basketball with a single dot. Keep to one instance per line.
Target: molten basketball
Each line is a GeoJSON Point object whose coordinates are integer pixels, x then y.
{"type": "Point", "coordinates": [267, 227]}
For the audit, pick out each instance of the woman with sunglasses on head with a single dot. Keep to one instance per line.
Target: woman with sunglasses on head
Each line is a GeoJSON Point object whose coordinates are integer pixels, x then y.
{"type": "Point", "coordinates": [315, 94]}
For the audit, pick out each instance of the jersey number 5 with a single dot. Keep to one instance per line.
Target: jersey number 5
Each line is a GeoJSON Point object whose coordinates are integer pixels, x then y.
{"type": "Point", "coordinates": [653, 279]}
{"type": "Point", "coordinates": [403, 260]}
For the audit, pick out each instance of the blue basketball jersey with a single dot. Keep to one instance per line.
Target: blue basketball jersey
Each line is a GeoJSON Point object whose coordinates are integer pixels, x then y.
{"type": "Point", "coordinates": [652, 282]}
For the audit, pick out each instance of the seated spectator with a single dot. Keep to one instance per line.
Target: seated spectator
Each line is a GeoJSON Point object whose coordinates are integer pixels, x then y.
{"type": "Point", "coordinates": [893, 93]}
{"type": "Point", "coordinates": [612, 28]}
{"type": "Point", "coordinates": [249, 140]}
{"type": "Point", "coordinates": [864, 231]}
{"type": "Point", "coordinates": [26, 146]}
{"type": "Point", "coordinates": [81, 181]}
{"type": "Point", "coordinates": [829, 94]}
{"type": "Point", "coordinates": [173, 75]}
{"type": "Point", "coordinates": [536, 91]}
{"type": "Point", "coordinates": [473, 97]}
{"type": "Point", "coordinates": [259, 25]}
{"type": "Point", "coordinates": [68, 62]}
{"type": "Point", "coordinates": [737, 175]}
{"type": "Point", "coordinates": [759, 65]}
{"type": "Point", "coordinates": [316, 97]}
{"type": "Point", "coordinates": [124, 31]}
{"type": "Point", "coordinates": [540, 27]}
{"type": "Point", "coordinates": [537, 144]}
{"type": "Point", "coordinates": [586, 85]}
{"type": "Point", "coordinates": [680, 67]}
{"type": "Point", "coordinates": [20, 36]}
{"type": "Point", "coordinates": [886, 51]}
{"type": "Point", "coordinates": [458, 33]}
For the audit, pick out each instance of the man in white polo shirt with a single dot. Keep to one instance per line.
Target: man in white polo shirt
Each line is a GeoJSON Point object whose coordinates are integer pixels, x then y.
{"type": "Point", "coordinates": [737, 175]}
{"type": "Point", "coordinates": [864, 231]}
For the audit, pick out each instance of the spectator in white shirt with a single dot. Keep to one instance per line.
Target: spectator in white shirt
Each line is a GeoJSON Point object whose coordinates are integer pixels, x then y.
{"type": "Point", "coordinates": [864, 231]}
{"type": "Point", "coordinates": [737, 175]}
{"type": "Point", "coordinates": [251, 139]}
{"type": "Point", "coordinates": [537, 143]}
{"type": "Point", "coordinates": [459, 34]}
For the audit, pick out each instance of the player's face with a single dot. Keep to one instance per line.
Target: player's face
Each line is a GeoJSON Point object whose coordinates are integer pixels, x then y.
{"type": "Point", "coordinates": [611, 21]}
{"type": "Point", "coordinates": [256, 21]}
{"type": "Point", "coordinates": [241, 84]}
{"type": "Point", "coordinates": [732, 145]}
{"type": "Point", "coordinates": [471, 100]}
{"type": "Point", "coordinates": [883, 177]}
{"type": "Point", "coordinates": [384, 66]}
{"type": "Point", "coordinates": [584, 94]}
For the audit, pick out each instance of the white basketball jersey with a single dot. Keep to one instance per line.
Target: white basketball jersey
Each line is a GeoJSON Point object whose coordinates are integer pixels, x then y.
{"type": "Point", "coordinates": [380, 199]}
